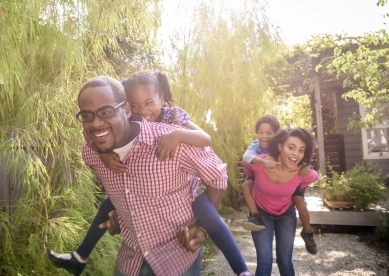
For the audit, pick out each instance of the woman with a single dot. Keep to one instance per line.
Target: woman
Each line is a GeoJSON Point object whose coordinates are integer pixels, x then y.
{"type": "Point", "coordinates": [272, 192]}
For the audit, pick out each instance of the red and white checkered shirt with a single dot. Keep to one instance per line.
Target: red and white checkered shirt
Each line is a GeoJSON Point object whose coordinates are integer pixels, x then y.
{"type": "Point", "coordinates": [153, 199]}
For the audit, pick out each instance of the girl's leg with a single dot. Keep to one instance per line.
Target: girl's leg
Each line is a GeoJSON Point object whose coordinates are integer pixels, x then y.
{"type": "Point", "coordinates": [210, 219]}
{"type": "Point", "coordinates": [263, 242]}
{"type": "Point", "coordinates": [285, 230]}
{"type": "Point", "coordinates": [94, 233]}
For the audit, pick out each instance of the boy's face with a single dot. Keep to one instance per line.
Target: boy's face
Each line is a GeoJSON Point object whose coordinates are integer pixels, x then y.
{"type": "Point", "coordinates": [264, 134]}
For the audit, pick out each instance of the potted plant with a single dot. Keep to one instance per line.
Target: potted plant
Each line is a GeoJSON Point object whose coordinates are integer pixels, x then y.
{"type": "Point", "coordinates": [335, 189]}
{"type": "Point", "coordinates": [358, 187]}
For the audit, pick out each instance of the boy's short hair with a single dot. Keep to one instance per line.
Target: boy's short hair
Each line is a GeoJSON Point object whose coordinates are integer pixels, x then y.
{"type": "Point", "coordinates": [268, 119]}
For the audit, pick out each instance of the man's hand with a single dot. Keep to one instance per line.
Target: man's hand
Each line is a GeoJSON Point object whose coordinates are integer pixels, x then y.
{"type": "Point", "coordinates": [112, 161]}
{"type": "Point", "coordinates": [191, 238]}
{"type": "Point", "coordinates": [112, 224]}
{"type": "Point", "coordinates": [167, 145]}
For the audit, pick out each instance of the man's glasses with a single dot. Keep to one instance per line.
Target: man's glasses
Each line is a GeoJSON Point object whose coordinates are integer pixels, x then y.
{"type": "Point", "coordinates": [105, 112]}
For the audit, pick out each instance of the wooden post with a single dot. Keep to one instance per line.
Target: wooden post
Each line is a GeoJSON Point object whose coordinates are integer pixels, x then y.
{"type": "Point", "coordinates": [319, 128]}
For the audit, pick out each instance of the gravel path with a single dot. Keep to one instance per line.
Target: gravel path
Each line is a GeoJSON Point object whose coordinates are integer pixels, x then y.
{"type": "Point", "coordinates": [338, 254]}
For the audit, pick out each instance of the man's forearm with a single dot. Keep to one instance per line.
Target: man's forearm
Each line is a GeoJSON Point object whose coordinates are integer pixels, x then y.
{"type": "Point", "coordinates": [214, 195]}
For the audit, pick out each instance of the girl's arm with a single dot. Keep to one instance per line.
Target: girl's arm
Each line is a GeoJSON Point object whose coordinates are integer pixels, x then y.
{"type": "Point", "coordinates": [194, 136]}
{"type": "Point", "coordinates": [111, 160]}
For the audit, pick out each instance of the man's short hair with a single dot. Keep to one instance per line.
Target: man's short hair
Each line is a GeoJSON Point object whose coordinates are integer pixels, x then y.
{"type": "Point", "coordinates": [100, 81]}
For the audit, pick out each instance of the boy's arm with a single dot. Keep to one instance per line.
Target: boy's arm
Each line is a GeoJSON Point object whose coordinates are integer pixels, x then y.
{"type": "Point", "coordinates": [251, 153]}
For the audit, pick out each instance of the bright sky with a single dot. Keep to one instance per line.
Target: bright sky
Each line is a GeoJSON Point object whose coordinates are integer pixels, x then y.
{"type": "Point", "coordinates": [300, 19]}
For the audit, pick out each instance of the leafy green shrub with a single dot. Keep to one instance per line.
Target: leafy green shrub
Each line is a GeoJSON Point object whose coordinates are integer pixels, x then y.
{"type": "Point", "coordinates": [366, 185]}
{"type": "Point", "coordinates": [361, 185]}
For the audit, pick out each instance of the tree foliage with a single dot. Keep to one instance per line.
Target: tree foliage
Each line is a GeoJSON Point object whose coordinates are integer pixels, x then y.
{"type": "Point", "coordinates": [360, 64]}
{"type": "Point", "coordinates": [220, 74]}
{"type": "Point", "coordinates": [48, 49]}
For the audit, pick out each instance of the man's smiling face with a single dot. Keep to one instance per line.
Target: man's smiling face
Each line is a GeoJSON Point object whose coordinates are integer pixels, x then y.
{"type": "Point", "coordinates": [106, 134]}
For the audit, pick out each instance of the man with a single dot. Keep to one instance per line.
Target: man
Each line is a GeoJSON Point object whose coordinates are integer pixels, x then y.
{"type": "Point", "coordinates": [153, 199]}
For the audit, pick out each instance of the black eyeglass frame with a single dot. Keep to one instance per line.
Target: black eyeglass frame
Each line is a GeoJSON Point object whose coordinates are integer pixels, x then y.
{"type": "Point", "coordinates": [94, 114]}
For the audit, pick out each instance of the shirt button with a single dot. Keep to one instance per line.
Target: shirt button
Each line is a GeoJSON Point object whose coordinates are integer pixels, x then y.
{"type": "Point", "coordinates": [132, 213]}
{"type": "Point", "coordinates": [127, 191]}
{"type": "Point", "coordinates": [139, 235]}
{"type": "Point", "coordinates": [146, 253]}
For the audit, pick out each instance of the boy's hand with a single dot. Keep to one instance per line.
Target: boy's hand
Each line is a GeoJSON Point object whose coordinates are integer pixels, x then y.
{"type": "Point", "coordinates": [270, 164]}
{"type": "Point", "coordinates": [167, 145]}
{"type": "Point", "coordinates": [112, 161]}
{"type": "Point", "coordinates": [191, 238]}
{"type": "Point", "coordinates": [304, 170]}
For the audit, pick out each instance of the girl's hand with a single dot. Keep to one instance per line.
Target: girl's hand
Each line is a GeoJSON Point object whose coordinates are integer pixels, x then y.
{"type": "Point", "coordinates": [167, 145]}
{"type": "Point", "coordinates": [112, 161]}
{"type": "Point", "coordinates": [270, 164]}
{"type": "Point", "coordinates": [305, 170]}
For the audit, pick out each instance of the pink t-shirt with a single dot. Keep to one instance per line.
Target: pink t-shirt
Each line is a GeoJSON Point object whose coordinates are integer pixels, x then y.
{"type": "Point", "coordinates": [271, 197]}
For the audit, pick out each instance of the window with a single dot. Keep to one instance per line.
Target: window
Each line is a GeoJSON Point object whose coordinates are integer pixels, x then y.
{"type": "Point", "coordinates": [375, 141]}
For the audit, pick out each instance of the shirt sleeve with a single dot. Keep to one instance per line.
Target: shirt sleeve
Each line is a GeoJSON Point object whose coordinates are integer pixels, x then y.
{"type": "Point", "coordinates": [251, 152]}
{"type": "Point", "coordinates": [309, 179]}
{"type": "Point", "coordinates": [205, 164]}
{"type": "Point", "coordinates": [175, 116]}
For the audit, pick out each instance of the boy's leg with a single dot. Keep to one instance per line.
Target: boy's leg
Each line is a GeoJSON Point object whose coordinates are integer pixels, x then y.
{"type": "Point", "coordinates": [306, 232]}
{"type": "Point", "coordinates": [76, 262]}
{"type": "Point", "coordinates": [247, 186]}
{"type": "Point", "coordinates": [303, 212]}
{"type": "Point", "coordinates": [254, 222]}
{"type": "Point", "coordinates": [210, 219]}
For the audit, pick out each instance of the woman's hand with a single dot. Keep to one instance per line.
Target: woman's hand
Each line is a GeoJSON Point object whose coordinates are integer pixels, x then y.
{"type": "Point", "coordinates": [112, 161]}
{"type": "Point", "coordinates": [167, 145]}
{"type": "Point", "coordinates": [191, 238]}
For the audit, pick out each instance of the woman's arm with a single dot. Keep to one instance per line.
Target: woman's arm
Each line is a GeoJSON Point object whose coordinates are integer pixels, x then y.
{"type": "Point", "coordinates": [306, 180]}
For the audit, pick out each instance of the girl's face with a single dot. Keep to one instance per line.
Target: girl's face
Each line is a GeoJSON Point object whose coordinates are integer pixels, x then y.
{"type": "Point", "coordinates": [291, 152]}
{"type": "Point", "coordinates": [264, 134]}
{"type": "Point", "coordinates": [146, 102]}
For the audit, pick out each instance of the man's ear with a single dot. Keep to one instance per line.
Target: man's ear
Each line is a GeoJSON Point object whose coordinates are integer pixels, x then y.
{"type": "Point", "coordinates": [127, 110]}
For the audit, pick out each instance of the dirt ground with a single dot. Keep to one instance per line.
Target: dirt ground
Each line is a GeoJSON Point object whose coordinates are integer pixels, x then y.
{"type": "Point", "coordinates": [338, 254]}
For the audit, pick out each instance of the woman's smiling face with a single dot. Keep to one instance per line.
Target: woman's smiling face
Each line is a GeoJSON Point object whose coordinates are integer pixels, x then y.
{"type": "Point", "coordinates": [291, 152]}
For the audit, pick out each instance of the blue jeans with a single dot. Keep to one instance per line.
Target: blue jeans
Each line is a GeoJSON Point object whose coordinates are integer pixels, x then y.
{"type": "Point", "coordinates": [284, 228]}
{"type": "Point", "coordinates": [94, 233]}
{"type": "Point", "coordinates": [145, 270]}
{"type": "Point", "coordinates": [209, 218]}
